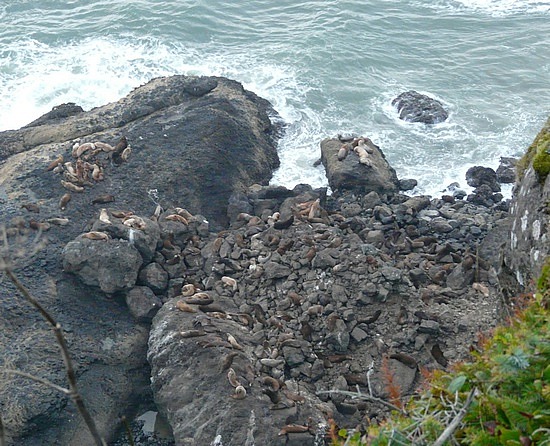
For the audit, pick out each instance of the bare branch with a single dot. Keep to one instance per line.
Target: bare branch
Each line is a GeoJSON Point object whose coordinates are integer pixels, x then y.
{"type": "Point", "coordinates": [37, 379]}
{"type": "Point", "coordinates": [2, 436]}
{"type": "Point", "coordinates": [457, 420]}
{"type": "Point", "coordinates": [361, 396]}
{"type": "Point", "coordinates": [71, 377]}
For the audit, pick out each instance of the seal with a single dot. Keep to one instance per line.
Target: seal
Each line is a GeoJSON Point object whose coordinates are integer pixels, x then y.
{"type": "Point", "coordinates": [95, 235]}
{"type": "Point", "coordinates": [79, 150]}
{"type": "Point", "coordinates": [102, 199]}
{"type": "Point", "coordinates": [104, 216]}
{"type": "Point", "coordinates": [182, 306]}
{"type": "Point", "coordinates": [55, 163]}
{"type": "Point", "coordinates": [72, 187]}
{"type": "Point", "coordinates": [234, 342]}
{"type": "Point", "coordinates": [232, 377]}
{"type": "Point", "coordinates": [240, 393]}
{"type": "Point", "coordinates": [178, 218]}
{"type": "Point", "coordinates": [199, 299]}
{"type": "Point", "coordinates": [64, 200]}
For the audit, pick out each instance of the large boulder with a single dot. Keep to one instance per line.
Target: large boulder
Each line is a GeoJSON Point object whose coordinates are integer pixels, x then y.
{"type": "Point", "coordinates": [416, 107]}
{"type": "Point", "coordinates": [348, 173]}
{"type": "Point", "coordinates": [193, 140]}
{"type": "Point", "coordinates": [111, 265]}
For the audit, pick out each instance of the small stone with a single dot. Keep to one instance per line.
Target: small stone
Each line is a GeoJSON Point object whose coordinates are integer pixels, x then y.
{"type": "Point", "coordinates": [154, 277]}
{"type": "Point", "coordinates": [358, 335]}
{"type": "Point", "coordinates": [428, 326]}
{"type": "Point", "coordinates": [142, 303]}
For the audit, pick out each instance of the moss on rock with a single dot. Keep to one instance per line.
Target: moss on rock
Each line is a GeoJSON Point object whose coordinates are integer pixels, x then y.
{"type": "Point", "coordinates": [538, 153]}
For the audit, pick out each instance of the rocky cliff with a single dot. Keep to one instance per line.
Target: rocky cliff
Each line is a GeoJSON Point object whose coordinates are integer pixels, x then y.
{"type": "Point", "coordinates": [173, 141]}
{"type": "Point", "coordinates": [245, 311]}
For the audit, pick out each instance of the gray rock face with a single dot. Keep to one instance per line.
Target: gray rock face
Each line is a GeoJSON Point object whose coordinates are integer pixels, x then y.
{"type": "Point", "coordinates": [142, 303]}
{"type": "Point", "coordinates": [349, 174]}
{"type": "Point", "coordinates": [415, 107]}
{"type": "Point", "coordinates": [111, 265]}
{"type": "Point", "coordinates": [193, 142]}
{"type": "Point", "coordinates": [529, 241]}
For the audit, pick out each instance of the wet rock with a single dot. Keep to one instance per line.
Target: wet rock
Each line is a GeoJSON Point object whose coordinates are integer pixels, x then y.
{"type": "Point", "coordinates": [350, 174]}
{"type": "Point", "coordinates": [506, 171]}
{"type": "Point", "coordinates": [408, 184]}
{"type": "Point", "coordinates": [274, 270]}
{"type": "Point", "coordinates": [416, 107]}
{"type": "Point", "coordinates": [478, 175]}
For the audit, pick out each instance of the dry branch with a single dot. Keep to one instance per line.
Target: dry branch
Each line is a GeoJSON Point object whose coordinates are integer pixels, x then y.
{"type": "Point", "coordinates": [71, 377]}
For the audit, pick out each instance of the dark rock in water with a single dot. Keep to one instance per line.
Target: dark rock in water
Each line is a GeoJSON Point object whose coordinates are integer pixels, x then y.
{"type": "Point", "coordinates": [408, 184]}
{"type": "Point", "coordinates": [415, 107]}
{"type": "Point", "coordinates": [478, 175]}
{"type": "Point", "coordinates": [351, 174]}
{"type": "Point", "coordinates": [506, 171]}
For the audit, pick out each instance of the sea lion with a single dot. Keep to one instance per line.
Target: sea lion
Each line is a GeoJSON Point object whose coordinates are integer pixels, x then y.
{"type": "Point", "coordinates": [232, 378]}
{"type": "Point", "coordinates": [102, 199]}
{"type": "Point", "coordinates": [39, 226]}
{"type": "Point", "coordinates": [343, 152]}
{"type": "Point", "coordinates": [126, 154]}
{"type": "Point", "coordinates": [135, 222]}
{"type": "Point", "coordinates": [199, 299]}
{"type": "Point", "coordinates": [188, 290]}
{"type": "Point", "coordinates": [234, 342]}
{"type": "Point", "coordinates": [55, 163]}
{"type": "Point", "coordinates": [79, 150]}
{"type": "Point", "coordinates": [182, 306]}
{"type": "Point", "coordinates": [64, 200]}
{"type": "Point", "coordinates": [58, 221]}
{"type": "Point", "coordinates": [104, 216]}
{"type": "Point", "coordinates": [177, 217]}
{"type": "Point", "coordinates": [230, 282]}
{"type": "Point", "coordinates": [72, 187]}
{"type": "Point", "coordinates": [96, 235]}
{"type": "Point", "coordinates": [31, 207]}
{"type": "Point", "coordinates": [104, 146]}
{"type": "Point", "coordinates": [240, 393]}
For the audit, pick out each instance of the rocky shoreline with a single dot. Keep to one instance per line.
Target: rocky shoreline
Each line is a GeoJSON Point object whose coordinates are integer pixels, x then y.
{"type": "Point", "coordinates": [250, 308]}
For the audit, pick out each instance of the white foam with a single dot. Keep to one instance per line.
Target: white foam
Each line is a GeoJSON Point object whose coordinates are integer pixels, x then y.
{"type": "Point", "coordinates": [495, 8]}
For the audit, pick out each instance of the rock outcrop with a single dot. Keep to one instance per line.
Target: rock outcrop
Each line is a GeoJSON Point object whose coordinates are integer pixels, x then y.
{"type": "Point", "coordinates": [362, 172]}
{"type": "Point", "coordinates": [416, 107]}
{"type": "Point", "coordinates": [528, 245]}
{"type": "Point", "coordinates": [304, 296]}
{"type": "Point", "coordinates": [177, 140]}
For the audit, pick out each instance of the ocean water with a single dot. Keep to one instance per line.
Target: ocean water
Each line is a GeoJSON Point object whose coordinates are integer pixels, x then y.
{"type": "Point", "coordinates": [328, 67]}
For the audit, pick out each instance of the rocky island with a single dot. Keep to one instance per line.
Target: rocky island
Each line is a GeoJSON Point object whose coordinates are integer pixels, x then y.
{"type": "Point", "coordinates": [241, 312]}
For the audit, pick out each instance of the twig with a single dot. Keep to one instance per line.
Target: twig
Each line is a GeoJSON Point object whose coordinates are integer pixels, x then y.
{"type": "Point", "coordinates": [37, 379]}
{"type": "Point", "coordinates": [71, 377]}
{"type": "Point", "coordinates": [367, 398]}
{"type": "Point", "coordinates": [2, 437]}
{"type": "Point", "coordinates": [457, 420]}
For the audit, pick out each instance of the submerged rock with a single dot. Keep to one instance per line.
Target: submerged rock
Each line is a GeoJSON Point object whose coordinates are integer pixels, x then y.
{"type": "Point", "coordinates": [416, 107]}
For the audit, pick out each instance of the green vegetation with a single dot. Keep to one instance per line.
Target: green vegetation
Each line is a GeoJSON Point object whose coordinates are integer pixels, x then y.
{"type": "Point", "coordinates": [501, 397]}
{"type": "Point", "coordinates": [538, 153]}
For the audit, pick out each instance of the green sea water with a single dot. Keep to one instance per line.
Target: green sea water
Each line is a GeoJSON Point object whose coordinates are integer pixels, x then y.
{"type": "Point", "coordinates": [328, 67]}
